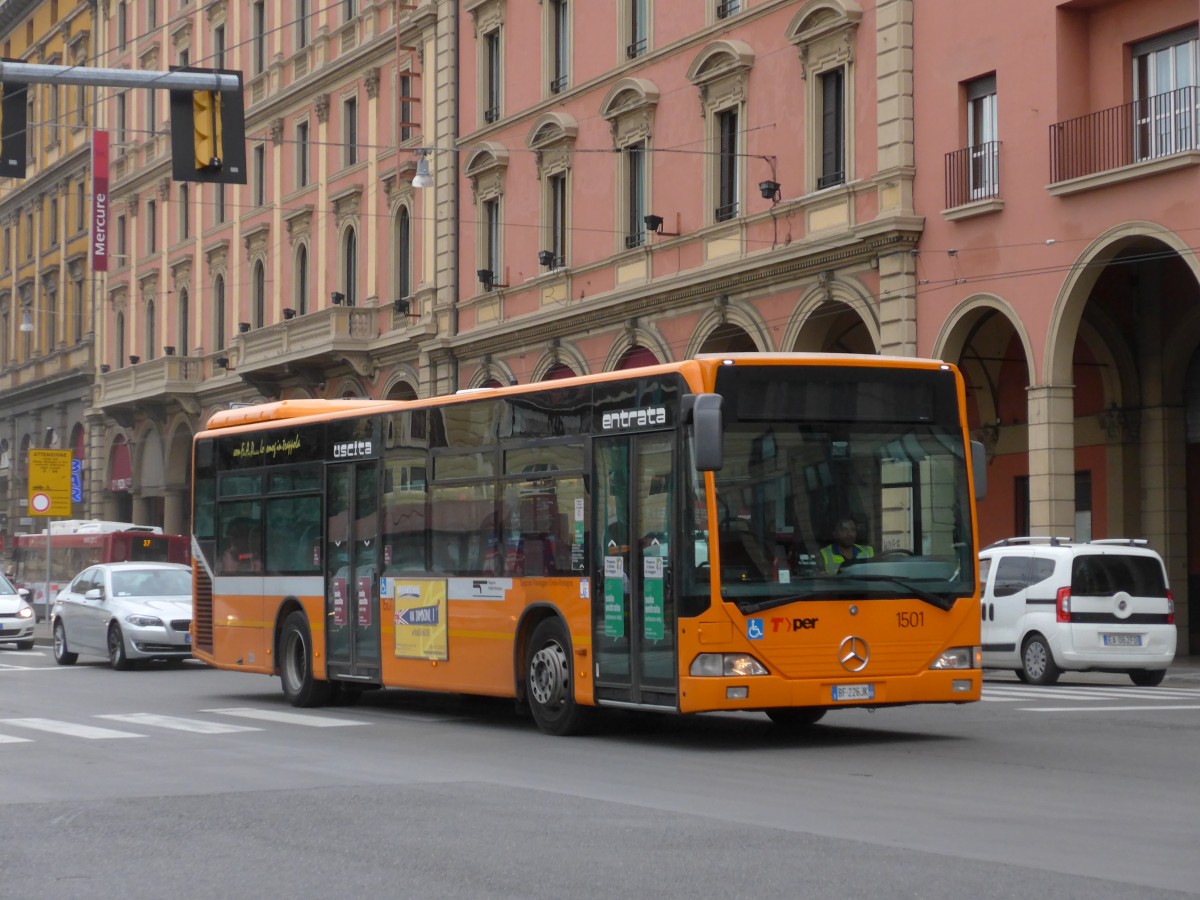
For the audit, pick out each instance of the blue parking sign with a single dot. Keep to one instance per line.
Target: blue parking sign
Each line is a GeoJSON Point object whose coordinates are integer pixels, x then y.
{"type": "Point", "coordinates": [76, 480]}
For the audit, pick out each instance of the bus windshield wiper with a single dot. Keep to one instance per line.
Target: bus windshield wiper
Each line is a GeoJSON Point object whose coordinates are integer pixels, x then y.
{"type": "Point", "coordinates": [929, 597]}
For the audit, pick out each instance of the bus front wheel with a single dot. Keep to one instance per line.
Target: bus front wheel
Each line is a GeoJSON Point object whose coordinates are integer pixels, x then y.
{"type": "Point", "coordinates": [300, 687]}
{"type": "Point", "coordinates": [548, 685]}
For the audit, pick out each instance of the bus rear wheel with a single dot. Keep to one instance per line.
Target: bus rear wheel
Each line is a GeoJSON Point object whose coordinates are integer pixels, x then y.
{"type": "Point", "coordinates": [300, 687]}
{"type": "Point", "coordinates": [548, 685]}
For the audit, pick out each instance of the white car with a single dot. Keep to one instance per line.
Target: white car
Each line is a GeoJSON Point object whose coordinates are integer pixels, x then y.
{"type": "Point", "coordinates": [126, 611]}
{"type": "Point", "coordinates": [1050, 605]}
{"type": "Point", "coordinates": [16, 616]}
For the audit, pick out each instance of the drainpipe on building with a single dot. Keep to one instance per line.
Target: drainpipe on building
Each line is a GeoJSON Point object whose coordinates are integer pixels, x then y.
{"type": "Point", "coordinates": [454, 199]}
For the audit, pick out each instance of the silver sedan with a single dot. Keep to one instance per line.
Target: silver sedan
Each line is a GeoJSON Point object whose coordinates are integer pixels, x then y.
{"type": "Point", "coordinates": [126, 611]}
{"type": "Point", "coordinates": [16, 616]}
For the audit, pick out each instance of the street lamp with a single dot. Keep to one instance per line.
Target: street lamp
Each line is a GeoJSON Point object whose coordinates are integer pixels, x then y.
{"type": "Point", "coordinates": [26, 321]}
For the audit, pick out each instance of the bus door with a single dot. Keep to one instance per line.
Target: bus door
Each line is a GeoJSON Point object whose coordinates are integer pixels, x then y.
{"type": "Point", "coordinates": [633, 606]}
{"type": "Point", "coordinates": [352, 571]}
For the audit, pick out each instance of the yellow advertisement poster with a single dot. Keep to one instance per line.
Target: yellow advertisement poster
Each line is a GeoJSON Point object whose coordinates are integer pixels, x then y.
{"type": "Point", "coordinates": [420, 619]}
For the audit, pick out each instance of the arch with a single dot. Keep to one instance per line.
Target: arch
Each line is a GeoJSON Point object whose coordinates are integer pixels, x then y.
{"type": "Point", "coordinates": [349, 387]}
{"type": "Point", "coordinates": [816, 18]}
{"type": "Point", "coordinates": [1077, 287]}
{"type": "Point", "coordinates": [566, 354]}
{"type": "Point", "coordinates": [724, 315]}
{"type": "Point", "coordinates": [636, 335]}
{"type": "Point", "coordinates": [956, 330]}
{"type": "Point", "coordinates": [628, 94]}
{"type": "Point", "coordinates": [808, 313]}
{"type": "Point", "coordinates": [260, 294]}
{"type": "Point", "coordinates": [402, 252]}
{"type": "Point", "coordinates": [402, 380]}
{"type": "Point", "coordinates": [349, 263]}
{"type": "Point", "coordinates": [300, 281]}
{"type": "Point", "coordinates": [219, 323]}
{"type": "Point", "coordinates": [183, 323]}
{"type": "Point", "coordinates": [550, 128]}
{"type": "Point", "coordinates": [718, 59]}
{"type": "Point", "coordinates": [484, 157]}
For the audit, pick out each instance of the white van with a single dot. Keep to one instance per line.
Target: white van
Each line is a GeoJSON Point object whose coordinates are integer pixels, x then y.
{"type": "Point", "coordinates": [1050, 605]}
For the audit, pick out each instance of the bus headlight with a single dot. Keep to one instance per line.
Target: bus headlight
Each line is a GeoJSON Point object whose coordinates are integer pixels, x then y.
{"type": "Point", "coordinates": [957, 658]}
{"type": "Point", "coordinates": [716, 665]}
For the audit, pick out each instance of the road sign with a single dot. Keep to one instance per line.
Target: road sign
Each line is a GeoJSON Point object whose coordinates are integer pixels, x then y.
{"type": "Point", "coordinates": [50, 482]}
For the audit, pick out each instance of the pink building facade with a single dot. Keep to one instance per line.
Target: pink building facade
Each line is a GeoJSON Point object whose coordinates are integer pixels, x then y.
{"type": "Point", "coordinates": [603, 185]}
{"type": "Point", "coordinates": [1056, 151]}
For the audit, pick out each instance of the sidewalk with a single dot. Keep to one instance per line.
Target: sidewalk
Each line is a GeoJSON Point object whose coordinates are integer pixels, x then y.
{"type": "Point", "coordinates": [1184, 669]}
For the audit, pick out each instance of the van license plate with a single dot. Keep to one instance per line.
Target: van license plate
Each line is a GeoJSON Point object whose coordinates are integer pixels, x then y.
{"type": "Point", "coordinates": [853, 692]}
{"type": "Point", "coordinates": [1122, 640]}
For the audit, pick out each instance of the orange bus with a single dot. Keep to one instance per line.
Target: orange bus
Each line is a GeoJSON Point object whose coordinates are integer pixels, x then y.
{"type": "Point", "coordinates": [643, 539]}
{"type": "Point", "coordinates": [76, 544]}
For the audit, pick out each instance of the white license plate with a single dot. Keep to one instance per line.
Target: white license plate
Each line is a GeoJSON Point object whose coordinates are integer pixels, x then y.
{"type": "Point", "coordinates": [853, 692]}
{"type": "Point", "coordinates": [1122, 640]}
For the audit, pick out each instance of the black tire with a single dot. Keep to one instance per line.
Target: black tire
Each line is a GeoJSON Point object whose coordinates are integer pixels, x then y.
{"type": "Point", "coordinates": [549, 688]}
{"type": "Point", "coordinates": [1038, 662]}
{"type": "Point", "coordinates": [62, 654]}
{"type": "Point", "coordinates": [117, 657]}
{"type": "Point", "coordinates": [796, 719]}
{"type": "Point", "coordinates": [1147, 677]}
{"type": "Point", "coordinates": [1021, 675]}
{"type": "Point", "coordinates": [24, 645]}
{"type": "Point", "coordinates": [300, 687]}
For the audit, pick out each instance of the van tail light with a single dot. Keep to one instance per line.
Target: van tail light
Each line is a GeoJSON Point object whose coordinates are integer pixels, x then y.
{"type": "Point", "coordinates": [1170, 608]}
{"type": "Point", "coordinates": [1062, 605]}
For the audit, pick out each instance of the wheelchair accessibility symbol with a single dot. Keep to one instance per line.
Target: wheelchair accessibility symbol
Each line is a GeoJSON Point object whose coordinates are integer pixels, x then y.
{"type": "Point", "coordinates": [754, 629]}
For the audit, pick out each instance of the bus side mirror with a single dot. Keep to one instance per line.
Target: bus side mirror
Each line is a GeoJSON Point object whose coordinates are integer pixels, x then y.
{"type": "Point", "coordinates": [704, 410]}
{"type": "Point", "coordinates": [979, 469]}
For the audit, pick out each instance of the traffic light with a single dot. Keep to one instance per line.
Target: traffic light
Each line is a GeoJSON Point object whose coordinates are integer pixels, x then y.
{"type": "Point", "coordinates": [13, 137]}
{"type": "Point", "coordinates": [208, 133]}
{"type": "Point", "coordinates": [206, 114]}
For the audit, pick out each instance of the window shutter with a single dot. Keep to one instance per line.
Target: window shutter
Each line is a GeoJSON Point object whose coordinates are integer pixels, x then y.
{"type": "Point", "coordinates": [832, 128]}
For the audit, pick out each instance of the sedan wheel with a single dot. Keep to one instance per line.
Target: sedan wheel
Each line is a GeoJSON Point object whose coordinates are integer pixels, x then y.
{"type": "Point", "coordinates": [62, 654]}
{"type": "Point", "coordinates": [117, 657]}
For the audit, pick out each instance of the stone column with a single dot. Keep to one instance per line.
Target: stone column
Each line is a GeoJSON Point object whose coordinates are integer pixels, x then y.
{"type": "Point", "coordinates": [1164, 501]}
{"type": "Point", "coordinates": [1051, 459]}
{"type": "Point", "coordinates": [174, 511]}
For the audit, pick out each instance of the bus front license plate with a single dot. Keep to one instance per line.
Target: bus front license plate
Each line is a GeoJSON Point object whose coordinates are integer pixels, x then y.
{"type": "Point", "coordinates": [853, 692]}
{"type": "Point", "coordinates": [187, 638]}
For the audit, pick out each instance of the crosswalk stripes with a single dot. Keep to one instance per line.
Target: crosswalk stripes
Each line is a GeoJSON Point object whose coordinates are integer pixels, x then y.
{"type": "Point", "coordinates": [177, 724]}
{"type": "Point", "coordinates": [154, 721]}
{"type": "Point", "coordinates": [1017, 693]}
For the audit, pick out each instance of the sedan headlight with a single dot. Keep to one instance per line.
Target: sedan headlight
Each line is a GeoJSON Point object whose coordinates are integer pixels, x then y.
{"type": "Point", "coordinates": [959, 658]}
{"type": "Point", "coordinates": [25, 612]}
{"type": "Point", "coordinates": [722, 664]}
{"type": "Point", "coordinates": [143, 621]}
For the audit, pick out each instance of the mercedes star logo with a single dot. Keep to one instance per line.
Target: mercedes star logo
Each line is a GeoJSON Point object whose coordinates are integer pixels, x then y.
{"type": "Point", "coordinates": [854, 654]}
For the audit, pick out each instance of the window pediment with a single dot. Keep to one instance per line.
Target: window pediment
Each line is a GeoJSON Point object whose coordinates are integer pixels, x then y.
{"type": "Point", "coordinates": [486, 166]}
{"type": "Point", "coordinates": [629, 108]}
{"type": "Point", "coordinates": [720, 72]}
{"type": "Point", "coordinates": [552, 140]}
{"type": "Point", "coordinates": [824, 32]}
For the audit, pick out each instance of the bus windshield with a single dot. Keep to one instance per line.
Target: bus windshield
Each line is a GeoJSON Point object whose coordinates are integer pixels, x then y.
{"type": "Point", "coordinates": [842, 489]}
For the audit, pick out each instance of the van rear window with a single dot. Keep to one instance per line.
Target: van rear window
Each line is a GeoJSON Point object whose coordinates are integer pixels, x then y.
{"type": "Point", "coordinates": [1105, 575]}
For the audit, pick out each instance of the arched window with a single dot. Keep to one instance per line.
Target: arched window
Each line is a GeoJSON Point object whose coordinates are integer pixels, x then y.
{"type": "Point", "coordinates": [184, 320]}
{"type": "Point", "coordinates": [260, 294]}
{"type": "Point", "coordinates": [403, 251]}
{"type": "Point", "coordinates": [350, 266]}
{"type": "Point", "coordinates": [151, 341]}
{"type": "Point", "coordinates": [219, 313]}
{"type": "Point", "coordinates": [301, 279]}
{"type": "Point", "coordinates": [120, 339]}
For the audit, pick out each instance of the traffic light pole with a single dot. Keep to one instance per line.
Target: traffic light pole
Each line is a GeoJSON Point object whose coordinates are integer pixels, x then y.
{"type": "Point", "coordinates": [36, 73]}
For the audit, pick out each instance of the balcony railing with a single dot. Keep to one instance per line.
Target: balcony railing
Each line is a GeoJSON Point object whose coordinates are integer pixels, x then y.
{"type": "Point", "coordinates": [972, 173]}
{"type": "Point", "coordinates": [1143, 130]}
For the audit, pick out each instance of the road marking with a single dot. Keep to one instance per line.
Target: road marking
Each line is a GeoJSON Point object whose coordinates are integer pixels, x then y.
{"type": "Point", "coordinates": [54, 726]}
{"type": "Point", "coordinates": [178, 724]}
{"type": "Point", "coordinates": [9, 739]}
{"type": "Point", "coordinates": [1100, 708]}
{"type": "Point", "coordinates": [289, 718]}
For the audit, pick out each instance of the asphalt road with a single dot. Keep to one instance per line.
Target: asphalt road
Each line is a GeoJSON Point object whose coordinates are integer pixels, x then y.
{"type": "Point", "coordinates": [188, 782]}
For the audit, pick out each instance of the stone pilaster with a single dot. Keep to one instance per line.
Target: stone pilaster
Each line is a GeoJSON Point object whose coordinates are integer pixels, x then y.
{"type": "Point", "coordinates": [1051, 459]}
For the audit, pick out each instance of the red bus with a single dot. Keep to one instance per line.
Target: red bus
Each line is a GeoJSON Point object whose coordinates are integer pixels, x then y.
{"type": "Point", "coordinates": [79, 543]}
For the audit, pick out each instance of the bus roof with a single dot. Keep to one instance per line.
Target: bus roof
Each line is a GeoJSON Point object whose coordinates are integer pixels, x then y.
{"type": "Point", "coordinates": [97, 526]}
{"type": "Point", "coordinates": [693, 369]}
